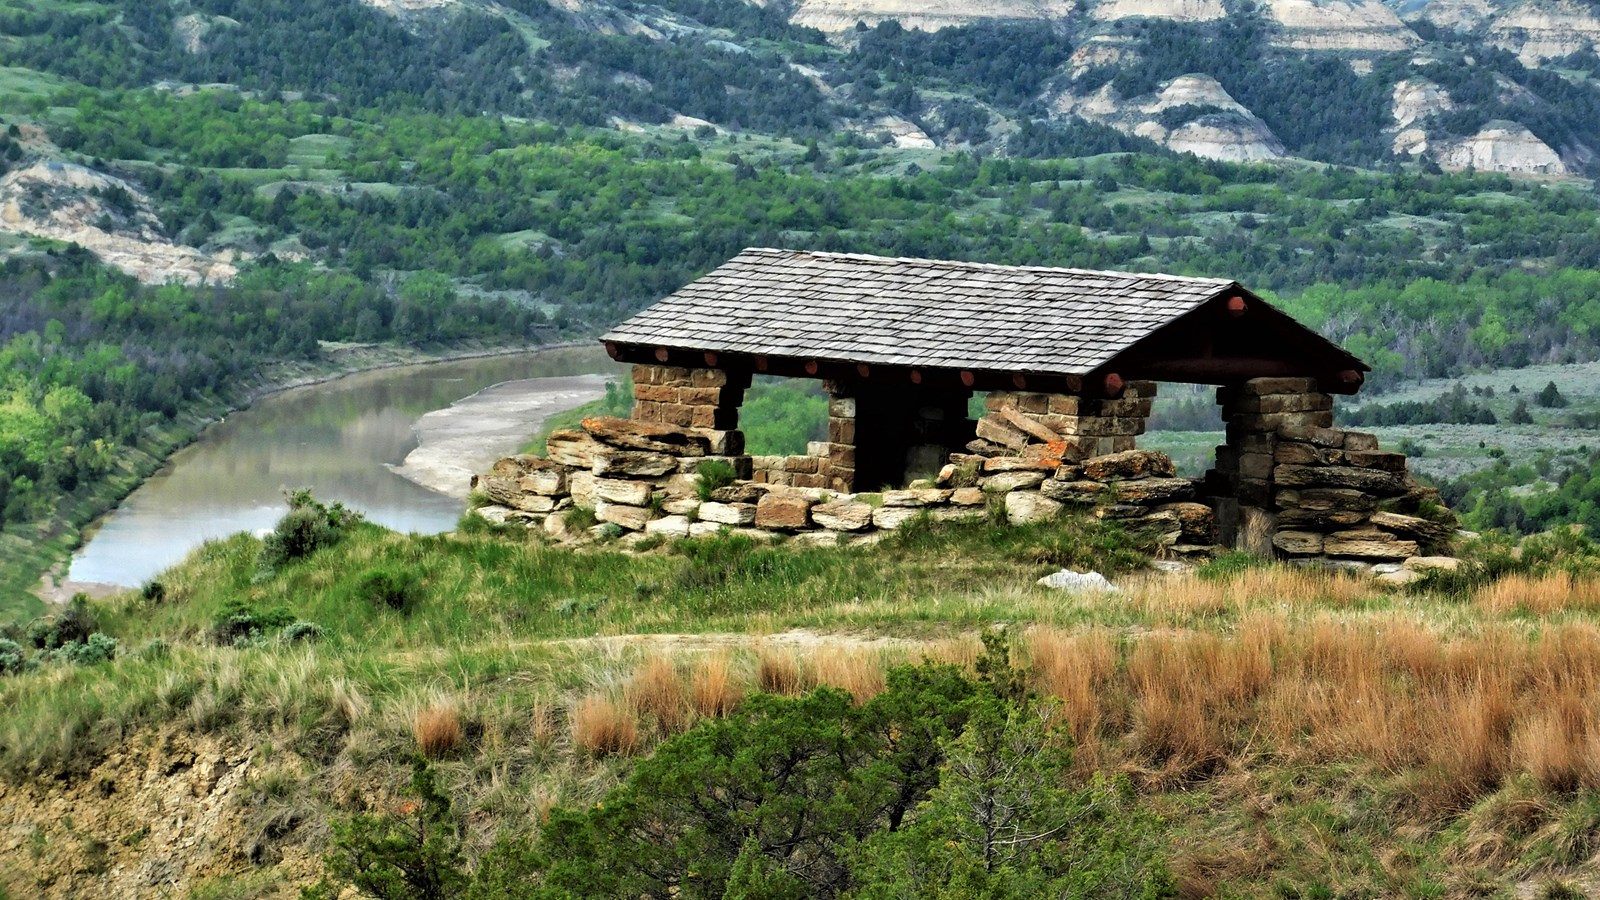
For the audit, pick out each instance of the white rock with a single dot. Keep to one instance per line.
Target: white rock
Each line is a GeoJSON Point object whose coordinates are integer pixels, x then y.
{"type": "Point", "coordinates": [728, 513]}
{"type": "Point", "coordinates": [669, 526]}
{"type": "Point", "coordinates": [1079, 582]}
{"type": "Point", "coordinates": [1023, 508]}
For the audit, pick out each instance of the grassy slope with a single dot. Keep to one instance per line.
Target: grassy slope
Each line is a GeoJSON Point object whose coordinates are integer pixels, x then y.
{"type": "Point", "coordinates": [1302, 733]}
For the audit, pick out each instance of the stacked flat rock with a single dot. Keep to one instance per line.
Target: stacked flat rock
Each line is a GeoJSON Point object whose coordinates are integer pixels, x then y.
{"type": "Point", "coordinates": [1062, 426]}
{"type": "Point", "coordinates": [1338, 496]}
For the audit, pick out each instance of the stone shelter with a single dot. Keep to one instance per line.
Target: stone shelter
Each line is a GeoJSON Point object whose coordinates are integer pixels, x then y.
{"type": "Point", "coordinates": [1068, 361]}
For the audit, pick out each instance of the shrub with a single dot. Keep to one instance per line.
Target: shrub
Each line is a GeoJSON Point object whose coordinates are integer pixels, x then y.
{"type": "Point", "coordinates": [98, 648]}
{"type": "Point", "coordinates": [390, 588]}
{"type": "Point", "coordinates": [73, 624]}
{"type": "Point", "coordinates": [239, 621]}
{"type": "Point", "coordinates": [307, 527]}
{"type": "Point", "coordinates": [603, 727]}
{"type": "Point", "coordinates": [12, 657]}
{"type": "Point", "coordinates": [714, 473]}
{"type": "Point", "coordinates": [411, 855]}
{"type": "Point", "coordinates": [295, 632]}
{"type": "Point", "coordinates": [153, 592]}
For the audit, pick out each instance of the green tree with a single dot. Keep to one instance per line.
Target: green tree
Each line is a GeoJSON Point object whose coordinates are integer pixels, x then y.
{"type": "Point", "coordinates": [413, 855]}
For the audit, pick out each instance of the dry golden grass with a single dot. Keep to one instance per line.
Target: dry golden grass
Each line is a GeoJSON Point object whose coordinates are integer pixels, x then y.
{"type": "Point", "coordinates": [437, 729]}
{"type": "Point", "coordinates": [715, 690]}
{"type": "Point", "coordinates": [601, 726]}
{"type": "Point", "coordinates": [655, 691]}
{"type": "Point", "coordinates": [780, 672]}
{"type": "Point", "coordinates": [1165, 598]}
{"type": "Point", "coordinates": [857, 672]}
{"type": "Point", "coordinates": [542, 724]}
{"type": "Point", "coordinates": [1539, 594]}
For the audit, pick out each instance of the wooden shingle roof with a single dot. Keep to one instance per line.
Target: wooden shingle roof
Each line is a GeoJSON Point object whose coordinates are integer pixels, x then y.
{"type": "Point", "coordinates": [916, 312]}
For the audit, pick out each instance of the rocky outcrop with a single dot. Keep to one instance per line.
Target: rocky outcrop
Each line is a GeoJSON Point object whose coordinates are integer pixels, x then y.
{"type": "Point", "coordinates": [1503, 147]}
{"type": "Point", "coordinates": [1345, 25]}
{"type": "Point", "coordinates": [1542, 30]}
{"type": "Point", "coordinates": [107, 215]}
{"type": "Point", "coordinates": [839, 16]}
{"type": "Point", "coordinates": [1175, 10]}
{"type": "Point", "coordinates": [1416, 99]}
{"type": "Point", "coordinates": [1222, 128]}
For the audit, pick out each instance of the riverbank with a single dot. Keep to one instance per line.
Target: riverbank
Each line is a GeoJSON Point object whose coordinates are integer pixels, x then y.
{"type": "Point", "coordinates": [34, 560]}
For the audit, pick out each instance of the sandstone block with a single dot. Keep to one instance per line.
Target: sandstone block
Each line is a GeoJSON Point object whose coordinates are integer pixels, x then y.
{"type": "Point", "coordinates": [1298, 543]}
{"type": "Point", "coordinates": [1257, 387]}
{"type": "Point", "coordinates": [1282, 403]}
{"type": "Point", "coordinates": [670, 526]}
{"type": "Point", "coordinates": [1320, 520]}
{"type": "Point", "coordinates": [1062, 404]}
{"type": "Point", "coordinates": [704, 529]}
{"type": "Point", "coordinates": [1312, 434]}
{"type": "Point", "coordinates": [535, 503]}
{"type": "Point", "coordinates": [633, 518]}
{"type": "Point", "coordinates": [811, 480]}
{"type": "Point", "coordinates": [550, 482]}
{"type": "Point", "coordinates": [1385, 460]}
{"type": "Point", "coordinates": [677, 414]}
{"type": "Point", "coordinates": [682, 506]}
{"type": "Point", "coordinates": [1164, 526]}
{"type": "Point", "coordinates": [1279, 421]}
{"type": "Point", "coordinates": [1360, 441]}
{"type": "Point", "coordinates": [1294, 453]}
{"type": "Point", "coordinates": [1152, 490]}
{"type": "Point", "coordinates": [1369, 480]}
{"type": "Point", "coordinates": [709, 378]}
{"type": "Point", "coordinates": [981, 447]}
{"type": "Point", "coordinates": [842, 407]}
{"type": "Point", "coordinates": [1131, 464]}
{"type": "Point", "coordinates": [1029, 402]}
{"type": "Point", "coordinates": [1253, 492]}
{"type": "Point", "coordinates": [728, 513]}
{"type": "Point", "coordinates": [842, 456]}
{"type": "Point", "coordinates": [1027, 425]}
{"type": "Point", "coordinates": [629, 493]}
{"type": "Point", "coordinates": [1197, 521]}
{"type": "Point", "coordinates": [968, 496]}
{"type": "Point", "coordinates": [808, 465]}
{"type": "Point", "coordinates": [612, 463]}
{"type": "Point", "coordinates": [1256, 465]}
{"type": "Point", "coordinates": [1017, 464]}
{"type": "Point", "coordinates": [1025, 507]}
{"type": "Point", "coordinates": [573, 448]}
{"type": "Point", "coordinates": [1413, 527]}
{"type": "Point", "coordinates": [996, 430]}
{"type": "Point", "coordinates": [1432, 563]}
{"type": "Point", "coordinates": [581, 486]}
{"type": "Point", "coordinates": [1369, 549]}
{"type": "Point", "coordinates": [842, 431]}
{"type": "Point", "coordinates": [892, 517]}
{"type": "Point", "coordinates": [737, 493]}
{"type": "Point", "coordinates": [842, 515]}
{"type": "Point", "coordinates": [1068, 472]}
{"type": "Point", "coordinates": [784, 511]}
{"type": "Point", "coordinates": [655, 393]}
{"type": "Point", "coordinates": [1012, 481]}
{"type": "Point", "coordinates": [1079, 492]}
{"type": "Point", "coordinates": [1052, 452]}
{"type": "Point", "coordinates": [701, 396]}
{"type": "Point", "coordinates": [915, 498]}
{"type": "Point", "coordinates": [1144, 390]}
{"type": "Point", "coordinates": [1327, 499]}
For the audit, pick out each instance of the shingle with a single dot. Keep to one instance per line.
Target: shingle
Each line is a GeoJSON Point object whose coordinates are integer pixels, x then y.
{"type": "Point", "coordinates": [935, 313]}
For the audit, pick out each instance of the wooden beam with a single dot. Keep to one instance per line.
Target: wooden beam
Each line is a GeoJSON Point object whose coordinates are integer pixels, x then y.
{"type": "Point", "coordinates": [1113, 385]}
{"type": "Point", "coordinates": [662, 355]}
{"type": "Point", "coordinates": [1019, 381]}
{"type": "Point", "coordinates": [711, 359]}
{"type": "Point", "coordinates": [1236, 306]}
{"type": "Point", "coordinates": [613, 351]}
{"type": "Point", "coordinates": [864, 370]}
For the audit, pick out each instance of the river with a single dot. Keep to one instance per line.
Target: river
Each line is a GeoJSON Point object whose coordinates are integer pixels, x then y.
{"type": "Point", "coordinates": [397, 444]}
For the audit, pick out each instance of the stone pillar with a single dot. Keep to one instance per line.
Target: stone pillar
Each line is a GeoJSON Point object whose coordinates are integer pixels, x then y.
{"type": "Point", "coordinates": [689, 398]}
{"type": "Point", "coordinates": [939, 427]}
{"type": "Point", "coordinates": [839, 469]}
{"type": "Point", "coordinates": [1243, 477]}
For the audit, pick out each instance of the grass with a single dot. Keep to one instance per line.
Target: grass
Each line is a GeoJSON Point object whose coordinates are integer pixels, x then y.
{"type": "Point", "coordinates": [1296, 730]}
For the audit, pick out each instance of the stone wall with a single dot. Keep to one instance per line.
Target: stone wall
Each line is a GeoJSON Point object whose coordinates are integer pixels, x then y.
{"type": "Point", "coordinates": [640, 478]}
{"type": "Point", "coordinates": [690, 398]}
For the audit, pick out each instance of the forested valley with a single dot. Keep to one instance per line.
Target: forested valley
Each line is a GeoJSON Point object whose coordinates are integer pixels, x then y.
{"type": "Point", "coordinates": [390, 182]}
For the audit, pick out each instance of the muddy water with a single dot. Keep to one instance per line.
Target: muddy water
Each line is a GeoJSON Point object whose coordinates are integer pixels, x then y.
{"type": "Point", "coordinates": [348, 440]}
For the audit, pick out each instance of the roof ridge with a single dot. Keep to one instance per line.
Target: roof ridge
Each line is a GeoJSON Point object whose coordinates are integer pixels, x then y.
{"type": "Point", "coordinates": [981, 266]}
